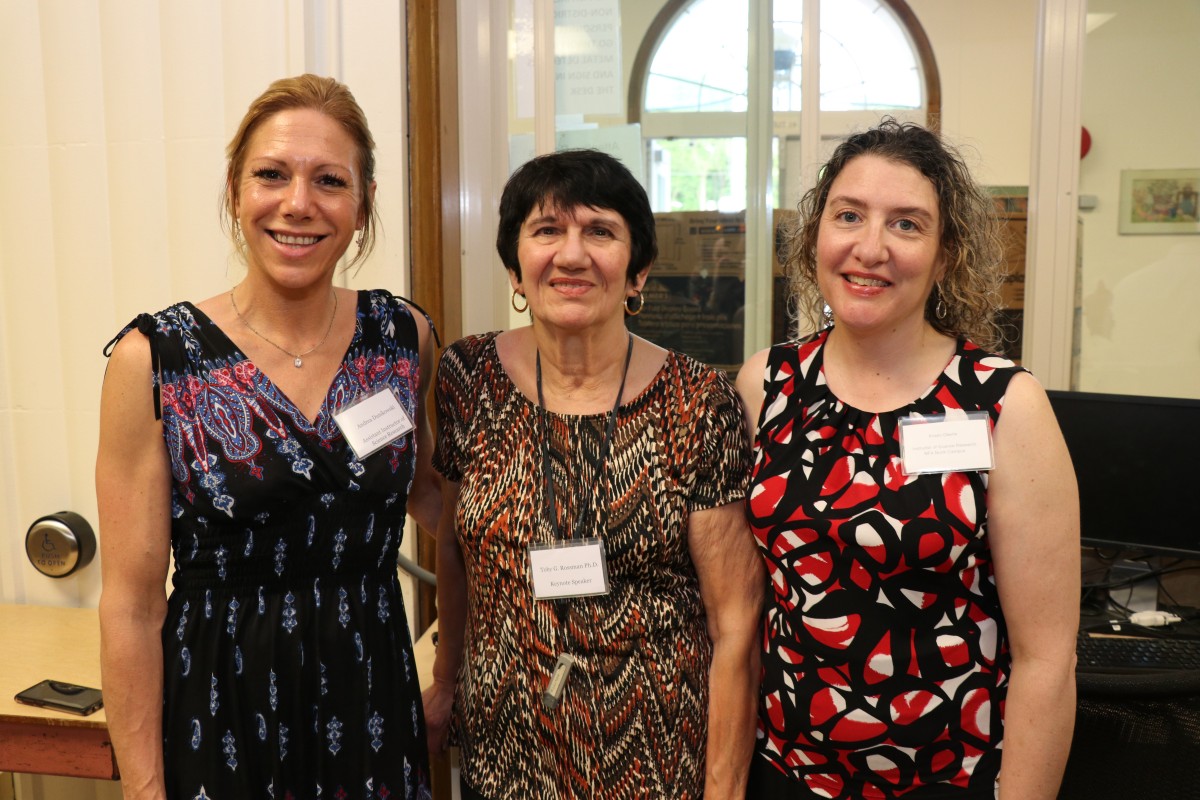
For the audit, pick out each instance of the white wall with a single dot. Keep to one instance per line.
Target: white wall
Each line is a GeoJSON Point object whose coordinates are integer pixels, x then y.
{"type": "Point", "coordinates": [115, 120]}
{"type": "Point", "coordinates": [1141, 104]}
{"type": "Point", "coordinates": [985, 54]}
{"type": "Point", "coordinates": [116, 117]}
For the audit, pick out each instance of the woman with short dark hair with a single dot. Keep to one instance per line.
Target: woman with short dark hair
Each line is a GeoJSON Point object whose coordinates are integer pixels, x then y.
{"type": "Point", "coordinates": [598, 589]}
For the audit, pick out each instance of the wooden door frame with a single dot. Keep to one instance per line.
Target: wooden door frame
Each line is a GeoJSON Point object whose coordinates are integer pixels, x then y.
{"type": "Point", "coordinates": [434, 213]}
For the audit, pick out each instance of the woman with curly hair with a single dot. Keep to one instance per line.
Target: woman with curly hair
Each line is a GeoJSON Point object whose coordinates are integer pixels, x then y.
{"type": "Point", "coordinates": [913, 500]}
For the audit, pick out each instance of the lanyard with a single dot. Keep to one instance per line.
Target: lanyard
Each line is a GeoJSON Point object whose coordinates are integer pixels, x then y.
{"type": "Point", "coordinates": [547, 482]}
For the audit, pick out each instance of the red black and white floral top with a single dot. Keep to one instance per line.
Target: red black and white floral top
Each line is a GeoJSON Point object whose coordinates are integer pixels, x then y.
{"type": "Point", "coordinates": [885, 657]}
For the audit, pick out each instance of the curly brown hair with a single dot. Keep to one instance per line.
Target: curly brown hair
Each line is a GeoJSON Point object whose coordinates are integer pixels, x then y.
{"type": "Point", "coordinates": [971, 237]}
{"type": "Point", "coordinates": [335, 101]}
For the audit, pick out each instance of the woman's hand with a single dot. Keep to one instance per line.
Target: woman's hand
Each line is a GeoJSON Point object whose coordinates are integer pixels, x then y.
{"type": "Point", "coordinates": [438, 700]}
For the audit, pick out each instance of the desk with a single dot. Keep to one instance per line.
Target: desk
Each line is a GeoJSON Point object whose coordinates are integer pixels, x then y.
{"type": "Point", "coordinates": [38, 642]}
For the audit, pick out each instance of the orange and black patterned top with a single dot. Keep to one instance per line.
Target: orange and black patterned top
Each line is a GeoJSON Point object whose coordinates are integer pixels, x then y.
{"type": "Point", "coordinates": [633, 720]}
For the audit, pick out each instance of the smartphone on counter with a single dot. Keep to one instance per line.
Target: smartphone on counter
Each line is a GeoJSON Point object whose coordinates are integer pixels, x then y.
{"type": "Point", "coordinates": [62, 696]}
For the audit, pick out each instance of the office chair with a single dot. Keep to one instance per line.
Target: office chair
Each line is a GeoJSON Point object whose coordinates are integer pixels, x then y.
{"type": "Point", "coordinates": [1136, 736]}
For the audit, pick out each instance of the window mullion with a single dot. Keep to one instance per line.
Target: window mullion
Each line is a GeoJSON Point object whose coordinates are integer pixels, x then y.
{"type": "Point", "coordinates": [759, 135]}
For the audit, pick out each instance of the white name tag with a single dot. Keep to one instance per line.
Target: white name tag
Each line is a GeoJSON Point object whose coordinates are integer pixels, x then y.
{"type": "Point", "coordinates": [575, 568]}
{"type": "Point", "coordinates": [373, 422]}
{"type": "Point", "coordinates": [941, 443]}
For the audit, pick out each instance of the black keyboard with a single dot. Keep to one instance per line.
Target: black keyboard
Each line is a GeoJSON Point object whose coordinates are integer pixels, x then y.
{"type": "Point", "coordinates": [1136, 653]}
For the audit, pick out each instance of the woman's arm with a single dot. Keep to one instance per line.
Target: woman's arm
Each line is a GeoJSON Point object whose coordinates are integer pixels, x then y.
{"type": "Point", "coordinates": [438, 699]}
{"type": "Point", "coordinates": [732, 581]}
{"type": "Point", "coordinates": [1033, 529]}
{"type": "Point", "coordinates": [424, 498]}
{"type": "Point", "coordinates": [133, 493]}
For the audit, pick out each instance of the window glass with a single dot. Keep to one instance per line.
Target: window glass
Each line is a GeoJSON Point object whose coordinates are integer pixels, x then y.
{"type": "Point", "coordinates": [867, 58]}
{"type": "Point", "coordinates": [694, 122]}
{"type": "Point", "coordinates": [700, 64]}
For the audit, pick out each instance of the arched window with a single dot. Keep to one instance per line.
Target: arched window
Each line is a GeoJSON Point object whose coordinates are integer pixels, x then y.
{"type": "Point", "coordinates": [690, 81]}
{"type": "Point", "coordinates": [690, 94]}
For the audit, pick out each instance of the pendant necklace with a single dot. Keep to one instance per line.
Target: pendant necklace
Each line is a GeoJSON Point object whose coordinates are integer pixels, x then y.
{"type": "Point", "coordinates": [297, 358]}
{"type": "Point", "coordinates": [557, 683]}
{"type": "Point", "coordinates": [549, 499]}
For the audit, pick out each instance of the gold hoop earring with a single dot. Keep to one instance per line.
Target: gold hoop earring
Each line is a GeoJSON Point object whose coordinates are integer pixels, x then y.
{"type": "Point", "coordinates": [513, 300]}
{"type": "Point", "coordinates": [641, 303]}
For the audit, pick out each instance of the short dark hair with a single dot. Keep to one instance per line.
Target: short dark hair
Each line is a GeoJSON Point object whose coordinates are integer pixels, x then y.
{"type": "Point", "coordinates": [576, 179]}
{"type": "Point", "coordinates": [971, 236]}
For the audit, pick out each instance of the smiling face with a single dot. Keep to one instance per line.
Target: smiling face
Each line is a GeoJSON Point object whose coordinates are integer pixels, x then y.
{"type": "Point", "coordinates": [298, 197]}
{"type": "Point", "coordinates": [879, 245]}
{"type": "Point", "coordinates": [574, 266]}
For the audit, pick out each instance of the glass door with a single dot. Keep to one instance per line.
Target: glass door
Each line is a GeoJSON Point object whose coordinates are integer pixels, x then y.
{"type": "Point", "coordinates": [705, 101]}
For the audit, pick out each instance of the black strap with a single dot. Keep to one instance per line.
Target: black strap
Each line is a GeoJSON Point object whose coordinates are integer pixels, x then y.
{"type": "Point", "coordinates": [147, 325]}
{"type": "Point", "coordinates": [437, 339]}
{"type": "Point", "coordinates": [548, 496]}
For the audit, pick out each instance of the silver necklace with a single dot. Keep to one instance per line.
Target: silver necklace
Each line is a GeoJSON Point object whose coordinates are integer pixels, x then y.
{"type": "Point", "coordinates": [297, 358]}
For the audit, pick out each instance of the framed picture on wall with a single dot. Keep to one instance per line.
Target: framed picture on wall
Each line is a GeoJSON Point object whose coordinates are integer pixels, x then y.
{"type": "Point", "coordinates": [1160, 201]}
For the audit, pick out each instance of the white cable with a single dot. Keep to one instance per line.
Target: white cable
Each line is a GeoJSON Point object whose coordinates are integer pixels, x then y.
{"type": "Point", "coordinates": [1153, 619]}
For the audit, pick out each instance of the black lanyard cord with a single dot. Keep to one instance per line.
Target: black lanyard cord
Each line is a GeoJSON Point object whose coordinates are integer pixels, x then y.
{"type": "Point", "coordinates": [547, 481]}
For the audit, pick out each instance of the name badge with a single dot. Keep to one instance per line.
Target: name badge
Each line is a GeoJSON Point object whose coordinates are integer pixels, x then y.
{"type": "Point", "coordinates": [942, 443]}
{"type": "Point", "coordinates": [575, 568]}
{"type": "Point", "coordinates": [373, 422]}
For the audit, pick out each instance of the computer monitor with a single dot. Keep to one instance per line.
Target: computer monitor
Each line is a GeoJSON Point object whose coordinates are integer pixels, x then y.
{"type": "Point", "coordinates": [1137, 460]}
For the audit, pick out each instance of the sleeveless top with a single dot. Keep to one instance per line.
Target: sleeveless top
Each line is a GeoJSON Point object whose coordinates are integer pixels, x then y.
{"type": "Point", "coordinates": [288, 668]}
{"type": "Point", "coordinates": [633, 720]}
{"type": "Point", "coordinates": [885, 658]}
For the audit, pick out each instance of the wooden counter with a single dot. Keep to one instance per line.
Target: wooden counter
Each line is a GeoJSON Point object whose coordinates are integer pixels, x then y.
{"type": "Point", "coordinates": [39, 642]}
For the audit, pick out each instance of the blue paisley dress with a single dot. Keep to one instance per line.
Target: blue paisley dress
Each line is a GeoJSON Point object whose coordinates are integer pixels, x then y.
{"type": "Point", "coordinates": [288, 666]}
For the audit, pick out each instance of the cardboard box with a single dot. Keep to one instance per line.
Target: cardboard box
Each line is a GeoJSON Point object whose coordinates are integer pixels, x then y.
{"type": "Point", "coordinates": [709, 243]}
{"type": "Point", "coordinates": [700, 243]}
{"type": "Point", "coordinates": [1012, 293]}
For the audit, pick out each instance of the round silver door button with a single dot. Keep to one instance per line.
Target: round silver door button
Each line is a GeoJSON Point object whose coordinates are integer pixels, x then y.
{"type": "Point", "coordinates": [60, 544]}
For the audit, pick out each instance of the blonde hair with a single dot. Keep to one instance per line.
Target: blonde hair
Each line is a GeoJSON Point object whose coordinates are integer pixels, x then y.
{"type": "Point", "coordinates": [335, 101]}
